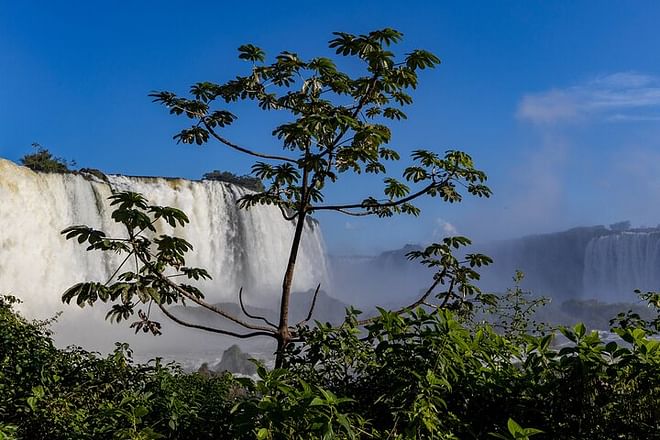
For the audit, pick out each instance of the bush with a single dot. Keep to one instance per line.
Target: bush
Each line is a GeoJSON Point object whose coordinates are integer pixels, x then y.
{"type": "Point", "coordinates": [249, 182]}
{"type": "Point", "coordinates": [428, 374]}
{"type": "Point", "coordinates": [62, 394]}
{"type": "Point", "coordinates": [43, 161]}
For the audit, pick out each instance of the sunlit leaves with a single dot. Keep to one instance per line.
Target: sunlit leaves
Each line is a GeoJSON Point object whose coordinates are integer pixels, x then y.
{"type": "Point", "coordinates": [421, 59]}
{"type": "Point", "coordinates": [169, 215]}
{"type": "Point", "coordinates": [193, 135]}
{"type": "Point", "coordinates": [195, 273]}
{"type": "Point", "coordinates": [427, 158]}
{"type": "Point", "coordinates": [252, 53]}
{"type": "Point", "coordinates": [336, 124]}
{"type": "Point", "coordinates": [415, 174]}
{"type": "Point", "coordinates": [153, 259]}
{"type": "Point", "coordinates": [395, 189]}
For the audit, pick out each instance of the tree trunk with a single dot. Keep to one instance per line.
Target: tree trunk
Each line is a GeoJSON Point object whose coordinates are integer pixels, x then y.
{"type": "Point", "coordinates": [284, 336]}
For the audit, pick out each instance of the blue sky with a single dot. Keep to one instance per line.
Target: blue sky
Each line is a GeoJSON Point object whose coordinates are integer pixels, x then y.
{"type": "Point", "coordinates": [559, 102]}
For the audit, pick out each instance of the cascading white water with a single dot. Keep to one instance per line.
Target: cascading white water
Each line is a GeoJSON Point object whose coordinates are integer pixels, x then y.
{"type": "Point", "coordinates": [239, 248]}
{"type": "Point", "coordinates": [617, 264]}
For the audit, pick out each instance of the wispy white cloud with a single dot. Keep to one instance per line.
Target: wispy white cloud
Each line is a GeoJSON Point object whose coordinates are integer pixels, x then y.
{"type": "Point", "coordinates": [633, 118]}
{"type": "Point", "coordinates": [623, 96]}
{"type": "Point", "coordinates": [443, 229]}
{"type": "Point", "coordinates": [350, 226]}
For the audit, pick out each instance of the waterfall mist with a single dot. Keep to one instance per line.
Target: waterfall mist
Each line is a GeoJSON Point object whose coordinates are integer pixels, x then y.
{"type": "Point", "coordinates": [239, 248]}
{"type": "Point", "coordinates": [621, 263]}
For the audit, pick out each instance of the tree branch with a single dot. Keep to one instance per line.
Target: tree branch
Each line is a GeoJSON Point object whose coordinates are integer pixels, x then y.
{"type": "Point", "coordinates": [284, 214]}
{"type": "Point", "coordinates": [211, 307]}
{"type": "Point", "coordinates": [379, 204]}
{"type": "Point", "coordinates": [449, 293]}
{"type": "Point", "coordinates": [212, 329]}
{"type": "Point", "coordinates": [311, 308]}
{"type": "Point", "coordinates": [245, 150]}
{"type": "Point", "coordinates": [417, 303]}
{"type": "Point", "coordinates": [183, 292]}
{"type": "Point", "coordinates": [355, 214]}
{"type": "Point", "coordinates": [240, 300]}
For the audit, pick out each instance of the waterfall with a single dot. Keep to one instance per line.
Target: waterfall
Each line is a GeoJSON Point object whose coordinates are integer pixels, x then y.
{"type": "Point", "coordinates": [239, 248]}
{"type": "Point", "coordinates": [617, 264]}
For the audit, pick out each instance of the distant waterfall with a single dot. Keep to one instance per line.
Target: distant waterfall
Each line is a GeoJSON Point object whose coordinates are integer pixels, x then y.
{"type": "Point", "coordinates": [617, 264]}
{"type": "Point", "coordinates": [239, 248]}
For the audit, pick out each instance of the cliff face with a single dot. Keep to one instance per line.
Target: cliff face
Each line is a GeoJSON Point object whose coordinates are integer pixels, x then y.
{"type": "Point", "coordinates": [587, 262]}
{"type": "Point", "coordinates": [597, 262]}
{"type": "Point", "coordinates": [239, 248]}
{"type": "Point", "coordinates": [553, 264]}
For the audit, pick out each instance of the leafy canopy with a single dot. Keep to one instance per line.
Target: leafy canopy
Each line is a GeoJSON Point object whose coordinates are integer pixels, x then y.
{"type": "Point", "coordinates": [339, 125]}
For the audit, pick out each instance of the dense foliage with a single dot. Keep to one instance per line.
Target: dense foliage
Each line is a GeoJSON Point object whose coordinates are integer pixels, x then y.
{"type": "Point", "coordinates": [249, 182]}
{"type": "Point", "coordinates": [43, 160]}
{"type": "Point", "coordinates": [47, 393]}
{"type": "Point", "coordinates": [427, 374]}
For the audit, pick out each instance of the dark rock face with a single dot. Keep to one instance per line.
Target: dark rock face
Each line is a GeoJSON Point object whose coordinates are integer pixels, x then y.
{"type": "Point", "coordinates": [604, 263]}
{"type": "Point", "coordinates": [553, 264]}
{"type": "Point", "coordinates": [100, 175]}
{"type": "Point", "coordinates": [235, 361]}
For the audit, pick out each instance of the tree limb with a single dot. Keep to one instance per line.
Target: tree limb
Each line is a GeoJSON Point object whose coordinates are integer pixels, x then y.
{"type": "Point", "coordinates": [212, 307]}
{"type": "Point", "coordinates": [376, 205]}
{"type": "Point", "coordinates": [284, 214]}
{"type": "Point", "coordinates": [240, 300]}
{"type": "Point", "coordinates": [245, 150]}
{"type": "Point", "coordinates": [311, 308]}
{"type": "Point", "coordinates": [183, 292]}
{"type": "Point", "coordinates": [212, 329]}
{"type": "Point", "coordinates": [355, 214]}
{"type": "Point", "coordinates": [417, 303]}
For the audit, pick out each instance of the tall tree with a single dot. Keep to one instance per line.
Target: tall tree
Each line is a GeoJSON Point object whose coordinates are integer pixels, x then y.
{"type": "Point", "coordinates": [338, 125]}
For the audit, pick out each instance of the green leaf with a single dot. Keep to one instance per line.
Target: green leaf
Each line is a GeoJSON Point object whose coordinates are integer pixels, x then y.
{"type": "Point", "coordinates": [252, 53]}
{"type": "Point", "coordinates": [514, 428]}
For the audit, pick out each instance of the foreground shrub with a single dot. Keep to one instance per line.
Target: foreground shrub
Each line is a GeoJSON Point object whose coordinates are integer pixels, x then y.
{"type": "Point", "coordinates": [431, 375]}
{"type": "Point", "coordinates": [427, 374]}
{"type": "Point", "coordinates": [46, 393]}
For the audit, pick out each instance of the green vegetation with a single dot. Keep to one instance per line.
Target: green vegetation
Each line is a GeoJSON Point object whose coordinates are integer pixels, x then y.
{"type": "Point", "coordinates": [249, 182]}
{"type": "Point", "coordinates": [337, 123]}
{"type": "Point", "coordinates": [426, 374]}
{"type": "Point", "coordinates": [435, 369]}
{"type": "Point", "coordinates": [46, 393]}
{"type": "Point", "coordinates": [43, 161]}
